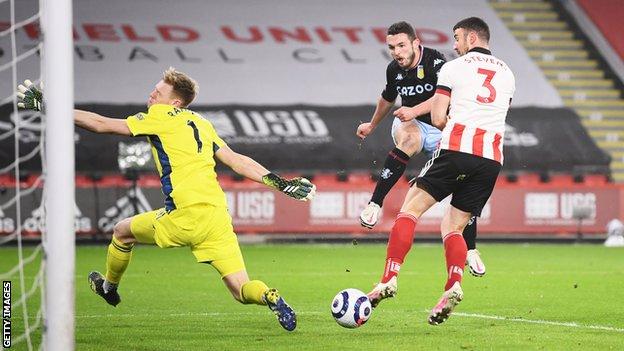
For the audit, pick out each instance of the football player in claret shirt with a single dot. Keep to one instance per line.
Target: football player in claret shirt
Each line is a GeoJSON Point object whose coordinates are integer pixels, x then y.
{"type": "Point", "coordinates": [413, 75]}
{"type": "Point", "coordinates": [475, 90]}
{"type": "Point", "coordinates": [185, 147]}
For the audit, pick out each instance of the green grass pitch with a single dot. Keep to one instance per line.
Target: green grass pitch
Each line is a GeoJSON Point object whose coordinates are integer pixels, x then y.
{"type": "Point", "coordinates": [534, 297]}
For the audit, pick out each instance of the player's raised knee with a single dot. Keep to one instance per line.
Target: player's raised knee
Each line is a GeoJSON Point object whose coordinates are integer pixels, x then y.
{"type": "Point", "coordinates": [410, 145]}
{"type": "Point", "coordinates": [122, 232]}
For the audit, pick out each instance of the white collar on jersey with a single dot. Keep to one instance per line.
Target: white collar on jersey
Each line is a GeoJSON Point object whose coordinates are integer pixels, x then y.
{"type": "Point", "coordinates": [420, 47]}
{"type": "Point", "coordinates": [480, 50]}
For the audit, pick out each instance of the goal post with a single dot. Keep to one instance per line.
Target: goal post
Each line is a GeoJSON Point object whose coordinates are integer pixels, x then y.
{"type": "Point", "coordinates": [59, 240]}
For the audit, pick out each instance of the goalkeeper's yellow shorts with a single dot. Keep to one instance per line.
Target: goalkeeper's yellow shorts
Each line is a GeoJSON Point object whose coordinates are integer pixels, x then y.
{"type": "Point", "coordinates": [206, 229]}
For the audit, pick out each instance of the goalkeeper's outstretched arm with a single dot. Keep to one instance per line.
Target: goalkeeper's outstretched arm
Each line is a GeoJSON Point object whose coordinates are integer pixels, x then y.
{"type": "Point", "coordinates": [30, 97]}
{"type": "Point", "coordinates": [297, 188]}
{"type": "Point", "coordinates": [99, 124]}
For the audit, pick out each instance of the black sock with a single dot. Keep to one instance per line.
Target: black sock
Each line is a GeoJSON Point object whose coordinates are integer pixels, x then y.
{"type": "Point", "coordinates": [470, 233]}
{"type": "Point", "coordinates": [395, 164]}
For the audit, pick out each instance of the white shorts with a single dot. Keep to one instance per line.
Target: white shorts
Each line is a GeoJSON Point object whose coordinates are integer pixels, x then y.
{"type": "Point", "coordinates": [429, 135]}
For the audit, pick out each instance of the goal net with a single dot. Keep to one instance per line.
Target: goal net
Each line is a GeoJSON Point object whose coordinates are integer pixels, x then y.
{"type": "Point", "coordinates": [36, 263]}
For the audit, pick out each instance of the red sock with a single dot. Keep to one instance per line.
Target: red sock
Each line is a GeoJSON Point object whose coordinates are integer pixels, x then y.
{"type": "Point", "coordinates": [399, 244]}
{"type": "Point", "coordinates": [455, 250]}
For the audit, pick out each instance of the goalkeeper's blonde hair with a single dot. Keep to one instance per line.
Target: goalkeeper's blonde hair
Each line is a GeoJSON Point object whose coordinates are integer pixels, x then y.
{"type": "Point", "coordinates": [184, 87]}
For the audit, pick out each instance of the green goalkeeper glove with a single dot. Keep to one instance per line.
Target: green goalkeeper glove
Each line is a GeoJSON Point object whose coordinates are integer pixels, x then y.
{"type": "Point", "coordinates": [297, 188]}
{"type": "Point", "coordinates": [30, 96]}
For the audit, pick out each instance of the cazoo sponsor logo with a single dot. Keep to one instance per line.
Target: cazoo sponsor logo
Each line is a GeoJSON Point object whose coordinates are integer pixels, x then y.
{"type": "Point", "coordinates": [413, 90]}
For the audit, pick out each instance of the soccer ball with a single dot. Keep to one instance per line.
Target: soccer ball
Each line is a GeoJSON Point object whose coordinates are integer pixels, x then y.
{"type": "Point", "coordinates": [351, 308]}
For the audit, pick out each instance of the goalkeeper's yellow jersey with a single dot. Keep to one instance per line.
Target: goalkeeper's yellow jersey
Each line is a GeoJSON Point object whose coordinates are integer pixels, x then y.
{"type": "Point", "coordinates": [183, 145]}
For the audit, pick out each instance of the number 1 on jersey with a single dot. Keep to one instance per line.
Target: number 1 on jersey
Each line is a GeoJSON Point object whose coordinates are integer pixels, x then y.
{"type": "Point", "coordinates": [488, 84]}
{"type": "Point", "coordinates": [196, 135]}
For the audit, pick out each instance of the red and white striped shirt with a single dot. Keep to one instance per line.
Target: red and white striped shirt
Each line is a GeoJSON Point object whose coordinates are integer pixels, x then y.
{"type": "Point", "coordinates": [481, 87]}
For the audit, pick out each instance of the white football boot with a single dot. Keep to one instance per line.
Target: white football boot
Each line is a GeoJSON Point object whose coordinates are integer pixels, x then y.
{"type": "Point", "coordinates": [383, 291]}
{"type": "Point", "coordinates": [451, 298]}
{"type": "Point", "coordinates": [475, 264]}
{"type": "Point", "coordinates": [370, 215]}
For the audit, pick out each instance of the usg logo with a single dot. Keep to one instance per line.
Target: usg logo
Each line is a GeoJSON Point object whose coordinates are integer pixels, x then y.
{"type": "Point", "coordinates": [570, 201]}
{"type": "Point", "coordinates": [255, 204]}
{"type": "Point", "coordinates": [271, 126]}
{"type": "Point", "coordinates": [251, 207]}
{"type": "Point", "coordinates": [558, 208]}
{"type": "Point", "coordinates": [339, 205]}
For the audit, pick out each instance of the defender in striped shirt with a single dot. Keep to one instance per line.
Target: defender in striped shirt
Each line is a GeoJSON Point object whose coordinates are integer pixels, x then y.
{"type": "Point", "coordinates": [476, 90]}
{"type": "Point", "coordinates": [412, 75]}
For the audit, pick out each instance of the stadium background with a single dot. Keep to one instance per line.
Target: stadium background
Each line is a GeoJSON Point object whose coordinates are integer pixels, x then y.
{"type": "Point", "coordinates": [287, 82]}
{"type": "Point", "coordinates": [290, 90]}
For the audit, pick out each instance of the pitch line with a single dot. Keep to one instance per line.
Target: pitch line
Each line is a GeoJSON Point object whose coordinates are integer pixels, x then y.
{"type": "Point", "coordinates": [188, 314]}
{"type": "Point", "coordinates": [459, 314]}
{"type": "Point", "coordinates": [539, 321]}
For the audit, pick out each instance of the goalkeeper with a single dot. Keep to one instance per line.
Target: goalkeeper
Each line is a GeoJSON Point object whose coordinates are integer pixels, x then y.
{"type": "Point", "coordinates": [195, 214]}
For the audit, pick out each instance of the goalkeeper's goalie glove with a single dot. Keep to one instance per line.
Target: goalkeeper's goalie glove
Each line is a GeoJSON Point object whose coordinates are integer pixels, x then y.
{"type": "Point", "coordinates": [29, 96]}
{"type": "Point", "coordinates": [297, 188]}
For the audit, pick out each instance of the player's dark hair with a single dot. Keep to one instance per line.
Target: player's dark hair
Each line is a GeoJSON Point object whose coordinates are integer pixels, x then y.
{"type": "Point", "coordinates": [184, 86]}
{"type": "Point", "coordinates": [476, 25]}
{"type": "Point", "coordinates": [402, 27]}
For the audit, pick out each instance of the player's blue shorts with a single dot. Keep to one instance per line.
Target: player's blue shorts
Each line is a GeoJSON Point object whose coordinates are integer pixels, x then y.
{"type": "Point", "coordinates": [429, 135]}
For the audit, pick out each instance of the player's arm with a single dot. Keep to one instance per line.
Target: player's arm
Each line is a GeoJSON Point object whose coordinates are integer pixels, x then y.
{"type": "Point", "coordinates": [30, 96]}
{"type": "Point", "coordinates": [99, 124]}
{"type": "Point", "coordinates": [442, 96]}
{"type": "Point", "coordinates": [439, 107]}
{"type": "Point", "coordinates": [384, 104]}
{"type": "Point", "coordinates": [241, 164]}
{"type": "Point", "coordinates": [405, 113]}
{"type": "Point", "coordinates": [381, 111]}
{"type": "Point", "coordinates": [297, 188]}
{"type": "Point", "coordinates": [408, 113]}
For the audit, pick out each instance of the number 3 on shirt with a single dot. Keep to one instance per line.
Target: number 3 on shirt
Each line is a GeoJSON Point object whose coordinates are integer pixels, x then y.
{"type": "Point", "coordinates": [196, 135]}
{"type": "Point", "coordinates": [488, 84]}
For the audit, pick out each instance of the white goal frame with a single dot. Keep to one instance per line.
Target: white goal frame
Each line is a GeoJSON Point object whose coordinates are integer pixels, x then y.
{"type": "Point", "coordinates": [59, 244]}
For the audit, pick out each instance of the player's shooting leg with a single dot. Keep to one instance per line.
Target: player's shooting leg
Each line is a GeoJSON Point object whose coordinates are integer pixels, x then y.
{"type": "Point", "coordinates": [455, 249]}
{"type": "Point", "coordinates": [408, 142]}
{"type": "Point", "coordinates": [407, 138]}
{"type": "Point", "coordinates": [119, 252]}
{"type": "Point", "coordinates": [393, 168]}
